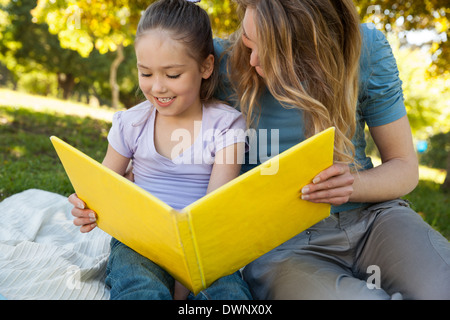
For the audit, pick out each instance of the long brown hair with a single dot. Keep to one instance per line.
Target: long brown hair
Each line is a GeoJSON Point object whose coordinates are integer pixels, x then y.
{"type": "Point", "coordinates": [310, 58]}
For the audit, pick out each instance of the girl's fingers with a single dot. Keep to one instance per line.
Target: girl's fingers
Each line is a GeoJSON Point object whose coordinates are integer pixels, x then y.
{"type": "Point", "coordinates": [84, 218]}
{"type": "Point", "coordinates": [88, 227]}
{"type": "Point", "coordinates": [77, 202]}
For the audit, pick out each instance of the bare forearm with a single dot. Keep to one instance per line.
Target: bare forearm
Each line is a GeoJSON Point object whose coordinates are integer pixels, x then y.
{"type": "Point", "coordinates": [392, 179]}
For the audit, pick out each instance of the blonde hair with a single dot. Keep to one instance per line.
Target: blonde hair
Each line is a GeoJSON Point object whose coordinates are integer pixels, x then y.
{"type": "Point", "coordinates": [309, 52]}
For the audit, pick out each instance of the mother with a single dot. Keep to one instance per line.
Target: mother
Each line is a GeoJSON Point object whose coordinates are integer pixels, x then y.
{"type": "Point", "coordinates": [300, 66]}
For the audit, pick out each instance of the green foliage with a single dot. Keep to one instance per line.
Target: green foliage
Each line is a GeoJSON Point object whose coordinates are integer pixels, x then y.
{"type": "Point", "coordinates": [406, 15]}
{"type": "Point", "coordinates": [437, 152]}
{"type": "Point", "coordinates": [224, 19]}
{"type": "Point", "coordinates": [36, 62]}
{"type": "Point", "coordinates": [427, 99]}
{"type": "Point", "coordinates": [39, 82]}
{"type": "Point", "coordinates": [432, 204]}
{"type": "Point", "coordinates": [82, 25]}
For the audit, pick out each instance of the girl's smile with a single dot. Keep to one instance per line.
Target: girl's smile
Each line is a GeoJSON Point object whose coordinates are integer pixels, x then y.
{"type": "Point", "coordinates": [164, 102]}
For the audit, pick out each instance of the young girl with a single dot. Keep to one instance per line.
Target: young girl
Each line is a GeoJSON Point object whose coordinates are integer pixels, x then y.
{"type": "Point", "coordinates": [175, 59]}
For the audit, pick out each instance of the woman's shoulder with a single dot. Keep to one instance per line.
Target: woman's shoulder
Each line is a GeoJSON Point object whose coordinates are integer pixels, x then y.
{"type": "Point", "coordinates": [370, 34]}
{"type": "Point", "coordinates": [220, 45]}
{"type": "Point", "coordinates": [374, 42]}
{"type": "Point", "coordinates": [376, 53]}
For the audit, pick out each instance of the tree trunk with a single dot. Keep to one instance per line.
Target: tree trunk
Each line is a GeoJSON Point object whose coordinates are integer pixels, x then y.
{"type": "Point", "coordinates": [66, 82]}
{"type": "Point", "coordinates": [446, 184]}
{"type": "Point", "coordinates": [113, 77]}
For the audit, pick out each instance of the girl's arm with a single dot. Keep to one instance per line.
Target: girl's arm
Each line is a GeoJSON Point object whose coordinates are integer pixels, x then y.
{"type": "Point", "coordinates": [85, 217]}
{"type": "Point", "coordinates": [395, 177]}
{"type": "Point", "coordinates": [115, 161]}
{"type": "Point", "coordinates": [227, 165]}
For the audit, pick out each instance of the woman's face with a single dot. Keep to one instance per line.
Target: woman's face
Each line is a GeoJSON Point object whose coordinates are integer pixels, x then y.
{"type": "Point", "coordinates": [250, 40]}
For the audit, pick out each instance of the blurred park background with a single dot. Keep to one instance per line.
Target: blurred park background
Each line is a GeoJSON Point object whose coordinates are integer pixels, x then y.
{"type": "Point", "coordinates": [67, 66]}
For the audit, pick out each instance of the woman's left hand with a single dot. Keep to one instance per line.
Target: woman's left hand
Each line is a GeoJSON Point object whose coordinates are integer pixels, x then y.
{"type": "Point", "coordinates": [334, 185]}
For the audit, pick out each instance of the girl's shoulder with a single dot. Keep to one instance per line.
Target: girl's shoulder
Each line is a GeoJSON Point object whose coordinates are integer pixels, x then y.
{"type": "Point", "coordinates": [221, 110]}
{"type": "Point", "coordinates": [218, 107]}
{"type": "Point", "coordinates": [135, 116]}
{"type": "Point", "coordinates": [222, 116]}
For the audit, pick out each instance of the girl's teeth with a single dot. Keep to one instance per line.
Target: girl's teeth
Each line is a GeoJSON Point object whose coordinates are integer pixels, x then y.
{"type": "Point", "coordinates": [164, 100]}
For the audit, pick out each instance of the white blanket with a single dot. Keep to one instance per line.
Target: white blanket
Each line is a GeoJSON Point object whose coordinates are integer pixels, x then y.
{"type": "Point", "coordinates": [43, 255]}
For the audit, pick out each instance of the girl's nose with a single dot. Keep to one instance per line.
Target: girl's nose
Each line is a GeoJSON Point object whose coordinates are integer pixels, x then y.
{"type": "Point", "coordinates": [158, 85]}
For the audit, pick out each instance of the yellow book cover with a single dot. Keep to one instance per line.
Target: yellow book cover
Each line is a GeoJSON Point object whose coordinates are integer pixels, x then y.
{"type": "Point", "coordinates": [219, 233]}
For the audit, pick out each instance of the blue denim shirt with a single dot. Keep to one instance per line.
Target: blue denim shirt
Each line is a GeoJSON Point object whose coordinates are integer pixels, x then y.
{"type": "Point", "coordinates": [380, 101]}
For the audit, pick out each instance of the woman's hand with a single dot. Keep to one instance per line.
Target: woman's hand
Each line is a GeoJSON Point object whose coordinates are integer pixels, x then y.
{"type": "Point", "coordinates": [86, 218]}
{"type": "Point", "coordinates": [334, 185]}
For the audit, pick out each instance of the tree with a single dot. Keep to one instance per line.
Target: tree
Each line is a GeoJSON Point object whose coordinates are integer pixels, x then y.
{"type": "Point", "coordinates": [222, 13]}
{"type": "Point", "coordinates": [26, 46]}
{"type": "Point", "coordinates": [81, 25]}
{"type": "Point", "coordinates": [407, 15]}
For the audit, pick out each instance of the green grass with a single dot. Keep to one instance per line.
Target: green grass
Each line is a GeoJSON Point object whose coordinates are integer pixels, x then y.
{"type": "Point", "coordinates": [432, 204]}
{"type": "Point", "coordinates": [28, 159]}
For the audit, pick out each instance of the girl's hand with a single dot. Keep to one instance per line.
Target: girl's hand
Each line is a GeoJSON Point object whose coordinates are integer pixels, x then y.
{"type": "Point", "coordinates": [334, 185]}
{"type": "Point", "coordinates": [86, 218]}
{"type": "Point", "coordinates": [180, 291]}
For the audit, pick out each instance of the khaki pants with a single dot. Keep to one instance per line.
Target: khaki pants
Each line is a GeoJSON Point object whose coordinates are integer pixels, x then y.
{"type": "Point", "coordinates": [384, 251]}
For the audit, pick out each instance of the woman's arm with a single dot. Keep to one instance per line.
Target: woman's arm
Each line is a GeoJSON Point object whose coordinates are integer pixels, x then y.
{"type": "Point", "coordinates": [395, 177]}
{"type": "Point", "coordinates": [85, 217]}
{"type": "Point", "coordinates": [399, 172]}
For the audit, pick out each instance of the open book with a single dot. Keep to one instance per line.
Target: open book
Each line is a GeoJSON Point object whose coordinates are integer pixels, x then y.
{"type": "Point", "coordinates": [219, 233]}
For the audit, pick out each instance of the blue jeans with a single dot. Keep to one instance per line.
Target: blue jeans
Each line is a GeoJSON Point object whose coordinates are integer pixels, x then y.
{"type": "Point", "coordinates": [131, 276]}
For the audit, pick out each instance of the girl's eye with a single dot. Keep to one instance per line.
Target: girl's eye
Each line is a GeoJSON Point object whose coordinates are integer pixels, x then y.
{"type": "Point", "coordinates": [174, 76]}
{"type": "Point", "coordinates": [146, 75]}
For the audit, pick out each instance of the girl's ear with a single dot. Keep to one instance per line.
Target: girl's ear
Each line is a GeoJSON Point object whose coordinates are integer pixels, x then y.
{"type": "Point", "coordinates": [207, 67]}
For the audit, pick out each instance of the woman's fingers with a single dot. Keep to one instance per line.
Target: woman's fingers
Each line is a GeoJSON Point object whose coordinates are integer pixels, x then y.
{"type": "Point", "coordinates": [334, 185]}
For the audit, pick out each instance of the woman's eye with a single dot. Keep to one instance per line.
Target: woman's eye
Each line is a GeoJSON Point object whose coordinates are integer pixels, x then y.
{"type": "Point", "coordinates": [173, 76]}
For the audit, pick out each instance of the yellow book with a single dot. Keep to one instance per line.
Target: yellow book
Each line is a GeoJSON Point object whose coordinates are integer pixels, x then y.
{"type": "Point", "coordinates": [219, 233]}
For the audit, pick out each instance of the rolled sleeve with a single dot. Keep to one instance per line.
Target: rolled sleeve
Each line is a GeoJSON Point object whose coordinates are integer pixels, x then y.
{"type": "Point", "coordinates": [381, 94]}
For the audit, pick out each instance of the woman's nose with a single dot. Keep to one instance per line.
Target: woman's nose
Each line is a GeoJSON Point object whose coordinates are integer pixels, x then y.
{"type": "Point", "coordinates": [254, 59]}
